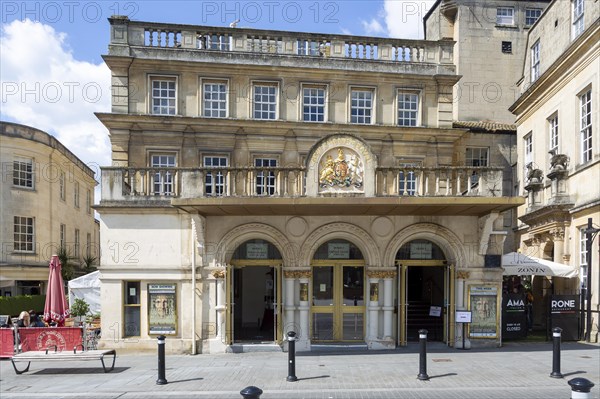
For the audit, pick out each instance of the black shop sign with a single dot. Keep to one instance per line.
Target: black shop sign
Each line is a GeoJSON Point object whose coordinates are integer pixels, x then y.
{"type": "Point", "coordinates": [564, 313]}
{"type": "Point", "coordinates": [514, 320]}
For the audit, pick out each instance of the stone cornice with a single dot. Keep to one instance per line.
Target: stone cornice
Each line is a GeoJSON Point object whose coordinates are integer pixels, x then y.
{"type": "Point", "coordinates": [540, 219]}
{"type": "Point", "coordinates": [146, 124]}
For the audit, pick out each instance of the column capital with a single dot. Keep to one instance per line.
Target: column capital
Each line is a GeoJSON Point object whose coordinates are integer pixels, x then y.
{"type": "Point", "coordinates": [463, 274]}
{"type": "Point", "coordinates": [303, 273]}
{"type": "Point", "coordinates": [218, 274]}
{"type": "Point", "coordinates": [376, 274]}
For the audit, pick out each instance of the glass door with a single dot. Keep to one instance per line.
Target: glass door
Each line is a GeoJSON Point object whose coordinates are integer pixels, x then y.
{"type": "Point", "coordinates": [338, 307]}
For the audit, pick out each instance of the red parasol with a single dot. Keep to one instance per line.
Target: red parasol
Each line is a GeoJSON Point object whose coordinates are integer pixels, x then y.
{"type": "Point", "coordinates": [56, 308]}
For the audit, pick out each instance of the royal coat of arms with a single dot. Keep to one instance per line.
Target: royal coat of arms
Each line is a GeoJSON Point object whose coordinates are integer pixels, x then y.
{"type": "Point", "coordinates": [345, 170]}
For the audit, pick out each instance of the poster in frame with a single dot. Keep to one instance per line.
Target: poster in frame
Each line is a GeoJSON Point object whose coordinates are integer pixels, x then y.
{"type": "Point", "coordinates": [162, 309]}
{"type": "Point", "coordinates": [485, 311]}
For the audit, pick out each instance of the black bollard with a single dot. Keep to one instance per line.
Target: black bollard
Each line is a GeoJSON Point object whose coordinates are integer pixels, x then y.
{"type": "Point", "coordinates": [423, 356]}
{"type": "Point", "coordinates": [581, 388]}
{"type": "Point", "coordinates": [291, 357]}
{"type": "Point", "coordinates": [251, 392]}
{"type": "Point", "coordinates": [556, 331]}
{"type": "Point", "coordinates": [161, 361]}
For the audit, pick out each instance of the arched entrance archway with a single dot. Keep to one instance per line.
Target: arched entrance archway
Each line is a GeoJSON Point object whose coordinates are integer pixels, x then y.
{"type": "Point", "coordinates": [424, 290]}
{"type": "Point", "coordinates": [338, 293]}
{"type": "Point", "coordinates": [254, 293]}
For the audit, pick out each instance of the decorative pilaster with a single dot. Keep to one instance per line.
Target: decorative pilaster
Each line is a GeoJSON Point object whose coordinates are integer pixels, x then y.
{"type": "Point", "coordinates": [461, 277]}
{"type": "Point", "coordinates": [373, 307]}
{"type": "Point", "coordinates": [220, 307]}
{"type": "Point", "coordinates": [299, 279]}
{"type": "Point", "coordinates": [388, 277]}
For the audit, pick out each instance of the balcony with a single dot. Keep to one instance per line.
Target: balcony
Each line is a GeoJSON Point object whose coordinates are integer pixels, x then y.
{"type": "Point", "coordinates": [282, 190]}
{"type": "Point", "coordinates": [216, 44]}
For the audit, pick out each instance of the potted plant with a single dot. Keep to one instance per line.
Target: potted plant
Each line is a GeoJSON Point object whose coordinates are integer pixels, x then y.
{"type": "Point", "coordinates": [79, 309]}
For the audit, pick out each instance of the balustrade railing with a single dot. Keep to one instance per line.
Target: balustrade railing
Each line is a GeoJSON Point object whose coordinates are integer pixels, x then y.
{"type": "Point", "coordinates": [122, 183]}
{"type": "Point", "coordinates": [206, 38]}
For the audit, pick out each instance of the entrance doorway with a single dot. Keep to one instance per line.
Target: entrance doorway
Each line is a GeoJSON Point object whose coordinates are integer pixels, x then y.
{"type": "Point", "coordinates": [254, 294]}
{"type": "Point", "coordinates": [338, 302]}
{"type": "Point", "coordinates": [254, 310]}
{"type": "Point", "coordinates": [424, 302]}
{"type": "Point", "coordinates": [426, 292]}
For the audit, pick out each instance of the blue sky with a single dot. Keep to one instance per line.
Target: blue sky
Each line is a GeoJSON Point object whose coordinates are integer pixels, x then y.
{"type": "Point", "coordinates": [53, 77]}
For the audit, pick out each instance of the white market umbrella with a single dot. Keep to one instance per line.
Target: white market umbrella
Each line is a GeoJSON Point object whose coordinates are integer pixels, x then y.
{"type": "Point", "coordinates": [516, 264]}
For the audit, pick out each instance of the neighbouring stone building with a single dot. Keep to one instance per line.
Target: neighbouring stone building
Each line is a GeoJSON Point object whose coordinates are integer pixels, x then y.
{"type": "Point", "coordinates": [266, 181]}
{"type": "Point", "coordinates": [559, 146]}
{"type": "Point", "coordinates": [47, 197]}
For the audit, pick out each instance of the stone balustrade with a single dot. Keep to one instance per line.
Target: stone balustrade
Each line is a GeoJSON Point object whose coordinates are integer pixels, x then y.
{"type": "Point", "coordinates": [125, 183]}
{"type": "Point", "coordinates": [125, 32]}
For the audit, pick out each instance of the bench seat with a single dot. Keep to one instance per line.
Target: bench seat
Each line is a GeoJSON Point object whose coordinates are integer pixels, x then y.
{"type": "Point", "coordinates": [48, 356]}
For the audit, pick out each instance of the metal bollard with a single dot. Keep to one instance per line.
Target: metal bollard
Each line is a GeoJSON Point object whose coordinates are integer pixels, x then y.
{"type": "Point", "coordinates": [291, 357]}
{"type": "Point", "coordinates": [556, 332]}
{"type": "Point", "coordinates": [251, 392]}
{"type": "Point", "coordinates": [161, 361]}
{"type": "Point", "coordinates": [580, 388]}
{"type": "Point", "coordinates": [423, 356]}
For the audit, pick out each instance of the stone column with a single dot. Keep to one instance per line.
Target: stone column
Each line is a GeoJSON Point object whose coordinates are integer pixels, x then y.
{"type": "Point", "coordinates": [461, 276]}
{"type": "Point", "coordinates": [219, 276]}
{"type": "Point", "coordinates": [304, 308]}
{"type": "Point", "coordinates": [289, 305]}
{"type": "Point", "coordinates": [218, 344]}
{"type": "Point", "coordinates": [388, 304]}
{"type": "Point", "coordinates": [373, 332]}
{"type": "Point", "coordinates": [300, 279]}
{"type": "Point", "coordinates": [561, 286]}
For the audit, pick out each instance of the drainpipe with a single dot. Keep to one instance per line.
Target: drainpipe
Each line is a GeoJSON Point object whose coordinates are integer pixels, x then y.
{"type": "Point", "coordinates": [193, 253]}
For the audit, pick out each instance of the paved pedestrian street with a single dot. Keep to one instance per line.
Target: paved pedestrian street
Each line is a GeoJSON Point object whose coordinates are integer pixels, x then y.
{"type": "Point", "coordinates": [517, 370]}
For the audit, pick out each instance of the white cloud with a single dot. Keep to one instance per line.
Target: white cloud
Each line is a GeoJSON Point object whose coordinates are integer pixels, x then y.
{"type": "Point", "coordinates": [372, 27]}
{"type": "Point", "coordinates": [45, 87]}
{"type": "Point", "coordinates": [404, 18]}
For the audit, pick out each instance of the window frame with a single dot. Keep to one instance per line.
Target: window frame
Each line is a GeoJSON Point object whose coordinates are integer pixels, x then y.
{"type": "Point", "coordinates": [412, 181]}
{"type": "Point", "coordinates": [88, 245]}
{"type": "Point", "coordinates": [470, 161]}
{"type": "Point", "coordinates": [162, 78]}
{"type": "Point", "coordinates": [62, 186]}
{"type": "Point", "coordinates": [62, 236]}
{"type": "Point", "coordinates": [577, 20]}
{"type": "Point", "coordinates": [76, 194]}
{"type": "Point", "coordinates": [372, 109]}
{"type": "Point", "coordinates": [535, 61]}
{"type": "Point", "coordinates": [220, 185]}
{"type": "Point", "coordinates": [553, 128]}
{"type": "Point", "coordinates": [265, 187]}
{"type": "Point", "coordinates": [586, 126]}
{"type": "Point", "coordinates": [88, 201]}
{"type": "Point", "coordinates": [166, 180]}
{"type": "Point", "coordinates": [317, 86]}
{"type": "Point", "coordinates": [500, 17]}
{"type": "Point", "coordinates": [76, 244]}
{"type": "Point", "coordinates": [137, 304]}
{"type": "Point", "coordinates": [408, 91]}
{"type": "Point", "coordinates": [532, 9]}
{"type": "Point", "coordinates": [264, 83]}
{"type": "Point", "coordinates": [23, 238]}
{"type": "Point", "coordinates": [24, 179]}
{"type": "Point", "coordinates": [203, 101]}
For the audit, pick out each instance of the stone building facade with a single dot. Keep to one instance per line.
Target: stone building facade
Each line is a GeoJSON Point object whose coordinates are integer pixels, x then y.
{"type": "Point", "coordinates": [47, 197]}
{"type": "Point", "coordinates": [559, 146]}
{"type": "Point", "coordinates": [268, 181]}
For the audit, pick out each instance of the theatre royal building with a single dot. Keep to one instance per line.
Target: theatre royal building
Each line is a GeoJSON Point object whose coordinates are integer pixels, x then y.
{"type": "Point", "coordinates": [272, 181]}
